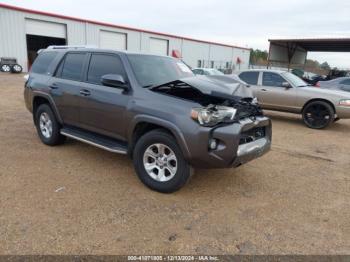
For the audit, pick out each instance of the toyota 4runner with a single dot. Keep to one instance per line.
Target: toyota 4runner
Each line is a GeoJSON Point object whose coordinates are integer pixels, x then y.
{"type": "Point", "coordinates": [150, 107]}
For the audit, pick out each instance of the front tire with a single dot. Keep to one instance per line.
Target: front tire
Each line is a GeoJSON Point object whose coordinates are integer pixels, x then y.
{"type": "Point", "coordinates": [159, 162]}
{"type": "Point", "coordinates": [47, 126]}
{"type": "Point", "coordinates": [318, 114]}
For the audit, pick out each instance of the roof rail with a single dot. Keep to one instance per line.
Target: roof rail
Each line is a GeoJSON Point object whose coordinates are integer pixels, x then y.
{"type": "Point", "coordinates": [70, 46]}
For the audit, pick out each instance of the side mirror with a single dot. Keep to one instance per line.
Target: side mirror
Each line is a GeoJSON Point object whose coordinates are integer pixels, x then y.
{"type": "Point", "coordinates": [114, 80]}
{"type": "Point", "coordinates": [286, 85]}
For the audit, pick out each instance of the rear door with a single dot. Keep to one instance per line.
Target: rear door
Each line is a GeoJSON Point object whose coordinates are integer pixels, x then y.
{"type": "Point", "coordinates": [66, 84]}
{"type": "Point", "coordinates": [103, 109]}
{"type": "Point", "coordinates": [272, 94]}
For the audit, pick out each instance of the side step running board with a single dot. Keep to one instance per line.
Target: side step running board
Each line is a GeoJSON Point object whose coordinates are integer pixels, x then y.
{"type": "Point", "coordinates": [96, 140]}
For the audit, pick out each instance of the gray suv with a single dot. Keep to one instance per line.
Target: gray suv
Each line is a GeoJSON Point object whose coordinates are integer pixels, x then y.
{"type": "Point", "coordinates": [150, 107]}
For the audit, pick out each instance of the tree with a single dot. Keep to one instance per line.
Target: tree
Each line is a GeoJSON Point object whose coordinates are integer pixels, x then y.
{"type": "Point", "coordinates": [258, 56]}
{"type": "Point", "coordinates": [325, 66]}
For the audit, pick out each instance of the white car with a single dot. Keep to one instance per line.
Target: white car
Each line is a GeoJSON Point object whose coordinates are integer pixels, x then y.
{"type": "Point", "coordinates": [207, 71]}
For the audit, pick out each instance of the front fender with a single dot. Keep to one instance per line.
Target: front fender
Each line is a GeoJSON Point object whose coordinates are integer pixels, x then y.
{"type": "Point", "coordinates": [163, 123]}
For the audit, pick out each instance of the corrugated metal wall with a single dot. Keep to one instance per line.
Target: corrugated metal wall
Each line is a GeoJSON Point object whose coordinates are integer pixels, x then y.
{"type": "Point", "coordinates": [13, 41]}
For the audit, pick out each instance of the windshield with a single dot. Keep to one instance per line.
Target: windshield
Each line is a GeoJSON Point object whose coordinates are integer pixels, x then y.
{"type": "Point", "coordinates": [155, 70]}
{"type": "Point", "coordinates": [214, 72]}
{"type": "Point", "coordinates": [294, 80]}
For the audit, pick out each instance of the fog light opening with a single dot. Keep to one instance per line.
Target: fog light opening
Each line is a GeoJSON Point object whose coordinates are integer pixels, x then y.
{"type": "Point", "coordinates": [213, 144]}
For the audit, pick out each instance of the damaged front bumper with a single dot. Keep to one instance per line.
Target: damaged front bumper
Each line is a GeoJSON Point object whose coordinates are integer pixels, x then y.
{"type": "Point", "coordinates": [255, 147]}
{"type": "Point", "coordinates": [237, 143]}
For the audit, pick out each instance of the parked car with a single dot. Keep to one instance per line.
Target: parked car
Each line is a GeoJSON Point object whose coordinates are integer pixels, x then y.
{"type": "Point", "coordinates": [206, 71]}
{"type": "Point", "coordinates": [150, 107]}
{"type": "Point", "coordinates": [308, 77]}
{"type": "Point", "coordinates": [341, 83]}
{"type": "Point", "coordinates": [9, 64]}
{"type": "Point", "coordinates": [336, 73]}
{"type": "Point", "coordinates": [284, 91]}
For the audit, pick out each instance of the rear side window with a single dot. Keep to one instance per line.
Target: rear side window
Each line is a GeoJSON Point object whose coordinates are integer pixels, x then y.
{"type": "Point", "coordinates": [272, 79]}
{"type": "Point", "coordinates": [101, 65]}
{"type": "Point", "coordinates": [346, 88]}
{"type": "Point", "coordinates": [345, 82]}
{"type": "Point", "coordinates": [42, 62]}
{"type": "Point", "coordinates": [198, 71]}
{"type": "Point", "coordinates": [72, 66]}
{"type": "Point", "coordinates": [250, 78]}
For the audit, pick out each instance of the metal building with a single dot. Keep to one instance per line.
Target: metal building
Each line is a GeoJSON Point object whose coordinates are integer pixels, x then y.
{"type": "Point", "coordinates": [23, 32]}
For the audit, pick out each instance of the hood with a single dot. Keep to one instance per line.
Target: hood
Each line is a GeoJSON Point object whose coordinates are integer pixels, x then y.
{"type": "Point", "coordinates": [219, 83]}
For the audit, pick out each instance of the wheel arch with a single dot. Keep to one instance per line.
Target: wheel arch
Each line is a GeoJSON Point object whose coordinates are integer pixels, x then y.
{"type": "Point", "coordinates": [143, 124]}
{"type": "Point", "coordinates": [42, 98]}
{"type": "Point", "coordinates": [317, 100]}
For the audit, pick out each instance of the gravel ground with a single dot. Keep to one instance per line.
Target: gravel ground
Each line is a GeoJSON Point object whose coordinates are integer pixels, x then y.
{"type": "Point", "coordinates": [77, 199]}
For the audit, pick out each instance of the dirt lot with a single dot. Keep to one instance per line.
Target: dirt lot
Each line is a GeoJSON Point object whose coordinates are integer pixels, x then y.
{"type": "Point", "coordinates": [77, 199]}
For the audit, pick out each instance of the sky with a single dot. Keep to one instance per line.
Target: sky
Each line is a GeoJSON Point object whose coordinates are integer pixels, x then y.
{"type": "Point", "coordinates": [246, 23]}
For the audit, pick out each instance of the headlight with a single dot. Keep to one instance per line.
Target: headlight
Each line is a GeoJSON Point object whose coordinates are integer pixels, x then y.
{"type": "Point", "coordinates": [345, 102]}
{"type": "Point", "coordinates": [212, 115]}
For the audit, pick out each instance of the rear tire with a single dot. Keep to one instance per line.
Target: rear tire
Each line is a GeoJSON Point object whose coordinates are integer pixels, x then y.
{"type": "Point", "coordinates": [318, 114]}
{"type": "Point", "coordinates": [47, 126]}
{"type": "Point", "coordinates": [159, 162]}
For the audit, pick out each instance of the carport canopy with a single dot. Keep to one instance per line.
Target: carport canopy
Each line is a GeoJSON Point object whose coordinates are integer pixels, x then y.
{"type": "Point", "coordinates": [294, 51]}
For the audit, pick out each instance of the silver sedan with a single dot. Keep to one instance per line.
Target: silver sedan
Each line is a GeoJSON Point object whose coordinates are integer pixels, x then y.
{"type": "Point", "coordinates": [283, 91]}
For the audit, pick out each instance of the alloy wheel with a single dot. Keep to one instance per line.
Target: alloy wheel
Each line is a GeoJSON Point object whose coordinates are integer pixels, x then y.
{"type": "Point", "coordinates": [160, 162]}
{"type": "Point", "coordinates": [45, 124]}
{"type": "Point", "coordinates": [317, 115]}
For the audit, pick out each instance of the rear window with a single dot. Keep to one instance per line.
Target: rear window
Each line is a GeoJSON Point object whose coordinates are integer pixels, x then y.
{"type": "Point", "coordinates": [250, 78]}
{"type": "Point", "coordinates": [73, 66]}
{"type": "Point", "coordinates": [42, 62]}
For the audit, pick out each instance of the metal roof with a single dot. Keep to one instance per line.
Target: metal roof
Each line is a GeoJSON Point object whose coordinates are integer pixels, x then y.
{"type": "Point", "coordinates": [16, 8]}
{"type": "Point", "coordinates": [317, 44]}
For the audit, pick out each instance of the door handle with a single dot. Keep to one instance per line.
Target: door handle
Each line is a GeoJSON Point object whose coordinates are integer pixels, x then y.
{"type": "Point", "coordinates": [85, 92]}
{"type": "Point", "coordinates": [263, 89]}
{"type": "Point", "coordinates": [53, 86]}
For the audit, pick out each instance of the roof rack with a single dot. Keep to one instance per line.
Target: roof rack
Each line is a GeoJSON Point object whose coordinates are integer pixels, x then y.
{"type": "Point", "coordinates": [70, 46]}
{"type": "Point", "coordinates": [66, 47]}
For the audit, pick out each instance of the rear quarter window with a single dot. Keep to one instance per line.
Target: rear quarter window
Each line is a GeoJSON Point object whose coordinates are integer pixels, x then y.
{"type": "Point", "coordinates": [250, 78]}
{"type": "Point", "coordinates": [42, 62]}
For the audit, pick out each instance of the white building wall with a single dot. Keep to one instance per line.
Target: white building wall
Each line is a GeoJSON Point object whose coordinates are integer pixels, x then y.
{"type": "Point", "coordinates": [220, 55]}
{"type": "Point", "coordinates": [12, 36]}
{"type": "Point", "coordinates": [244, 55]}
{"type": "Point", "coordinates": [193, 51]}
{"type": "Point", "coordinates": [13, 40]}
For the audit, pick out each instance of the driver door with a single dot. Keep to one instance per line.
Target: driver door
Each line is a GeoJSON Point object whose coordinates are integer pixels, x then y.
{"type": "Point", "coordinates": [272, 95]}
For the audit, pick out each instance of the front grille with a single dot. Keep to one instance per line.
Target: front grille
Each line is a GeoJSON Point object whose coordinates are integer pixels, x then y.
{"type": "Point", "coordinates": [252, 135]}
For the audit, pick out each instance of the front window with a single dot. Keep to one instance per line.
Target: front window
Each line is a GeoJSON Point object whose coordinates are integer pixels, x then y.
{"type": "Point", "coordinates": [294, 80]}
{"type": "Point", "coordinates": [156, 70]}
{"type": "Point", "coordinates": [272, 79]}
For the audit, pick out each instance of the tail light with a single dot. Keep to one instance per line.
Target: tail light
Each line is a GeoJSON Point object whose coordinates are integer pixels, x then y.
{"type": "Point", "coordinates": [318, 84]}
